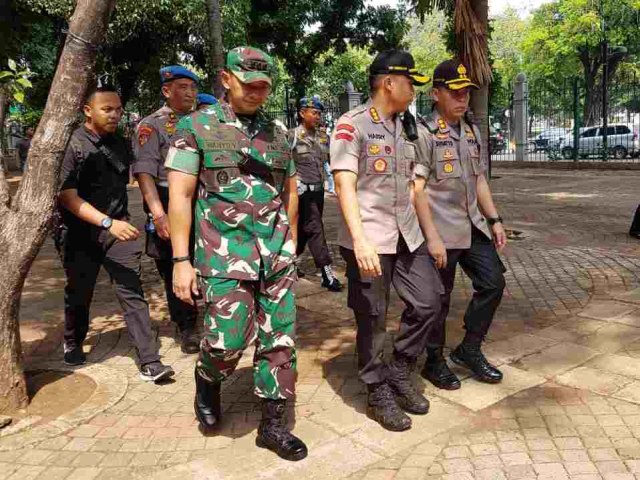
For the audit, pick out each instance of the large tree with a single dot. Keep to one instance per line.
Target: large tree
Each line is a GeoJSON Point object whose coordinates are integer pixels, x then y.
{"type": "Point", "coordinates": [565, 40]}
{"type": "Point", "coordinates": [25, 216]}
{"type": "Point", "coordinates": [299, 31]}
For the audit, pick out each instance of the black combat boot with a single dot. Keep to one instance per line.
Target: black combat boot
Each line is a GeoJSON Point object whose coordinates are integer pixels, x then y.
{"type": "Point", "coordinates": [207, 402]}
{"type": "Point", "coordinates": [382, 407]}
{"type": "Point", "coordinates": [437, 371]}
{"type": "Point", "coordinates": [188, 341]}
{"type": "Point", "coordinates": [405, 393]}
{"type": "Point", "coordinates": [329, 281]}
{"type": "Point", "coordinates": [470, 356]}
{"type": "Point", "coordinates": [274, 435]}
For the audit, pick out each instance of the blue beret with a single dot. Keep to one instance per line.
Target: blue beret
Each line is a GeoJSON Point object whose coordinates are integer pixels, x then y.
{"type": "Point", "coordinates": [313, 102]}
{"type": "Point", "coordinates": [173, 72]}
{"type": "Point", "coordinates": [206, 99]}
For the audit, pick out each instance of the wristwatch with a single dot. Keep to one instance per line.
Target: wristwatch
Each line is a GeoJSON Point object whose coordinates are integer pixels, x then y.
{"type": "Point", "coordinates": [106, 223]}
{"type": "Point", "coordinates": [493, 220]}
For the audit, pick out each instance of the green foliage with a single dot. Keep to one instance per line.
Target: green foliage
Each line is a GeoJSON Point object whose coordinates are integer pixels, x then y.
{"type": "Point", "coordinates": [333, 71]}
{"type": "Point", "coordinates": [15, 81]}
{"type": "Point", "coordinates": [426, 41]}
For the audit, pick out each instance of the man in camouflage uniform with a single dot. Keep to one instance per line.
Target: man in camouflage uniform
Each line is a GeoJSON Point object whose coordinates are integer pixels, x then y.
{"type": "Point", "coordinates": [310, 153]}
{"type": "Point", "coordinates": [151, 143]}
{"type": "Point", "coordinates": [240, 164]}
{"type": "Point", "coordinates": [467, 220]}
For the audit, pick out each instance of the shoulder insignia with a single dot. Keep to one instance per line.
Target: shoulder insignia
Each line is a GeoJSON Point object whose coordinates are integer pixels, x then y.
{"type": "Point", "coordinates": [144, 132]}
{"type": "Point", "coordinates": [344, 136]}
{"type": "Point", "coordinates": [346, 127]}
{"type": "Point", "coordinates": [374, 114]}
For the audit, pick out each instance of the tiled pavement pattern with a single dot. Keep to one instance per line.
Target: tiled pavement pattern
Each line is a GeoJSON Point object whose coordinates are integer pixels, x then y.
{"type": "Point", "coordinates": [567, 337]}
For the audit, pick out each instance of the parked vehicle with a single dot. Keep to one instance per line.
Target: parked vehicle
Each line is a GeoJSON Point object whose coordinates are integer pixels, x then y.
{"type": "Point", "coordinates": [622, 142]}
{"type": "Point", "coordinates": [550, 138]}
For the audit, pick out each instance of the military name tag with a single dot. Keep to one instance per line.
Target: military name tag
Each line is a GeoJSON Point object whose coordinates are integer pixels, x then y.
{"type": "Point", "coordinates": [276, 147]}
{"type": "Point", "coordinates": [444, 143]}
{"type": "Point", "coordinates": [220, 145]}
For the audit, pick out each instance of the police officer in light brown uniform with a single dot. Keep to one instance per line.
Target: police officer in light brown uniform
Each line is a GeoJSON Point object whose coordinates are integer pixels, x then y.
{"type": "Point", "coordinates": [310, 153]}
{"type": "Point", "coordinates": [150, 146]}
{"type": "Point", "coordinates": [385, 219]}
{"type": "Point", "coordinates": [467, 220]}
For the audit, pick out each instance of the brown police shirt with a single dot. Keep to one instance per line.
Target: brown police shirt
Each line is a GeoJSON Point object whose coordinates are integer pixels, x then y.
{"type": "Point", "coordinates": [379, 153]}
{"type": "Point", "coordinates": [151, 142]}
{"type": "Point", "coordinates": [310, 152]}
{"type": "Point", "coordinates": [451, 162]}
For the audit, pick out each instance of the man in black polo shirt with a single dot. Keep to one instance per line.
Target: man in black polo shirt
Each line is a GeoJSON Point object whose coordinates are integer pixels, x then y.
{"type": "Point", "coordinates": [95, 173]}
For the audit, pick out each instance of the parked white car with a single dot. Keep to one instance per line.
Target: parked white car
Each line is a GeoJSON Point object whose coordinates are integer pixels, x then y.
{"type": "Point", "coordinates": [622, 141]}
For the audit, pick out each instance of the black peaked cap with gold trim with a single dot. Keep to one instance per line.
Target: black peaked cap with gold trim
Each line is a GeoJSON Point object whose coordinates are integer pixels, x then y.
{"type": "Point", "coordinates": [397, 62]}
{"type": "Point", "coordinates": [452, 74]}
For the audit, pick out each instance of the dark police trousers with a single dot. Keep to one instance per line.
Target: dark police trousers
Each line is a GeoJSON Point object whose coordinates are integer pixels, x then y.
{"type": "Point", "coordinates": [310, 227]}
{"type": "Point", "coordinates": [485, 269]}
{"type": "Point", "coordinates": [181, 313]}
{"type": "Point", "coordinates": [416, 280]}
{"type": "Point", "coordinates": [85, 252]}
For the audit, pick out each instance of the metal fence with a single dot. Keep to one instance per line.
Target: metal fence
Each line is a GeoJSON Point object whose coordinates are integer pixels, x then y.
{"type": "Point", "coordinates": [287, 112]}
{"type": "Point", "coordinates": [566, 123]}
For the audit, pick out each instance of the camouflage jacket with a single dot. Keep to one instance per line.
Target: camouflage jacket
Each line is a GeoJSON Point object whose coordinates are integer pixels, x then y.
{"type": "Point", "coordinates": [241, 225]}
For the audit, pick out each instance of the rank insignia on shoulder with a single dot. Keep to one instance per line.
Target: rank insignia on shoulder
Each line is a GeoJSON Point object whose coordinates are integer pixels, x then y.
{"type": "Point", "coordinates": [380, 165]}
{"type": "Point", "coordinates": [374, 149]}
{"type": "Point", "coordinates": [170, 127]}
{"type": "Point", "coordinates": [144, 132]}
{"type": "Point", "coordinates": [448, 155]}
{"type": "Point", "coordinates": [442, 125]}
{"type": "Point", "coordinates": [374, 114]}
{"type": "Point", "coordinates": [448, 168]}
{"type": "Point", "coordinates": [324, 140]}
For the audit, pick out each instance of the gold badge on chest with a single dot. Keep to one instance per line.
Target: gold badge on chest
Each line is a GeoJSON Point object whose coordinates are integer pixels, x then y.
{"type": "Point", "coordinates": [374, 149]}
{"type": "Point", "coordinates": [448, 168]}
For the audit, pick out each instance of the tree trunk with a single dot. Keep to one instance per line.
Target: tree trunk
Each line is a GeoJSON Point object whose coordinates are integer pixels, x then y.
{"type": "Point", "coordinates": [480, 98]}
{"type": "Point", "coordinates": [24, 218]}
{"type": "Point", "coordinates": [216, 48]}
{"type": "Point", "coordinates": [4, 109]}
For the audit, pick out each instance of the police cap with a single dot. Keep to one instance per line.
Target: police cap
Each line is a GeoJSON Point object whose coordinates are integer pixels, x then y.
{"type": "Point", "coordinates": [397, 62]}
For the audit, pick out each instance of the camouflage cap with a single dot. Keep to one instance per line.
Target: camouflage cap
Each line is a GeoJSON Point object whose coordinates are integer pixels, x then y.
{"type": "Point", "coordinates": [250, 65]}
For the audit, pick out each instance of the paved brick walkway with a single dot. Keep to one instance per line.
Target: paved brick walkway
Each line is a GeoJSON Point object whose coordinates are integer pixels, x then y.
{"type": "Point", "coordinates": [567, 337]}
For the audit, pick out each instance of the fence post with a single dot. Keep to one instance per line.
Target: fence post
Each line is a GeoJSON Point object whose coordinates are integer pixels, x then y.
{"type": "Point", "coordinates": [349, 99]}
{"type": "Point", "coordinates": [521, 115]}
{"type": "Point", "coordinates": [576, 118]}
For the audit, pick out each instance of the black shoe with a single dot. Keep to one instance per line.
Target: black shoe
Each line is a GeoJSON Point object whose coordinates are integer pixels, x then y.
{"type": "Point", "coordinates": [188, 342]}
{"type": "Point", "coordinates": [382, 407]}
{"type": "Point", "coordinates": [75, 357]}
{"type": "Point", "coordinates": [274, 435]}
{"type": "Point", "coordinates": [405, 393]}
{"type": "Point", "coordinates": [471, 356]}
{"type": "Point", "coordinates": [207, 402]}
{"type": "Point", "coordinates": [329, 281]}
{"type": "Point", "coordinates": [155, 372]}
{"type": "Point", "coordinates": [438, 373]}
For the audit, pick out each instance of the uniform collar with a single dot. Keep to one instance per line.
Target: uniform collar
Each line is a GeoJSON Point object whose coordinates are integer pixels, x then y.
{"type": "Point", "coordinates": [171, 113]}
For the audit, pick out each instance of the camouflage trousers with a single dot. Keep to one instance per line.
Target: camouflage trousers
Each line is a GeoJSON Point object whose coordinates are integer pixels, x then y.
{"type": "Point", "coordinates": [240, 312]}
